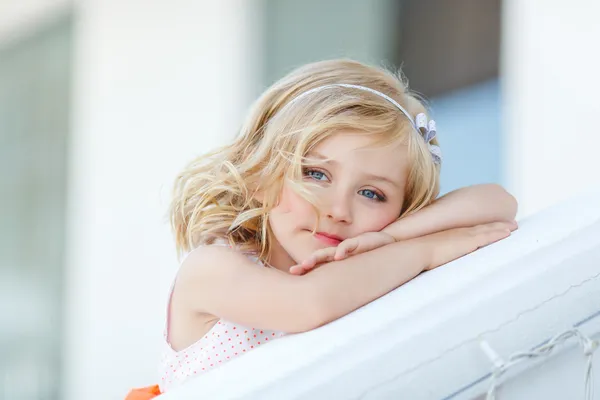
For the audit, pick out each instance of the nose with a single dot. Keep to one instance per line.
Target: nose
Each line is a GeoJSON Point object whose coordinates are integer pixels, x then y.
{"type": "Point", "coordinates": [339, 209]}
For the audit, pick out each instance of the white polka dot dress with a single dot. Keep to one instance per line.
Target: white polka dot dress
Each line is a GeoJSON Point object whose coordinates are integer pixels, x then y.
{"type": "Point", "coordinates": [223, 342]}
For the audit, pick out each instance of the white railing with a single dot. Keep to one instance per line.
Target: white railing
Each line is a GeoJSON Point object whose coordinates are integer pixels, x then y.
{"type": "Point", "coordinates": [436, 336]}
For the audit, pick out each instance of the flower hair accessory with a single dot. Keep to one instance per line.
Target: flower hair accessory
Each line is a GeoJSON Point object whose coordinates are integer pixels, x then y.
{"type": "Point", "coordinates": [426, 129]}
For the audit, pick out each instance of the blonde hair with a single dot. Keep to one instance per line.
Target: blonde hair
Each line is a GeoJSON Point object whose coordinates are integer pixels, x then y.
{"type": "Point", "coordinates": [216, 197]}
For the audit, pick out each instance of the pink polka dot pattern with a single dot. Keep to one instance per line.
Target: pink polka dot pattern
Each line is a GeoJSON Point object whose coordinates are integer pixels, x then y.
{"type": "Point", "coordinates": [222, 343]}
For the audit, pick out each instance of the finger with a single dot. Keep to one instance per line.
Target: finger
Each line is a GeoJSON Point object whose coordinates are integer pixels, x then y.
{"type": "Point", "coordinates": [501, 225]}
{"type": "Point", "coordinates": [299, 270]}
{"type": "Point", "coordinates": [319, 257]}
{"type": "Point", "coordinates": [494, 226]}
{"type": "Point", "coordinates": [345, 248]}
{"type": "Point", "coordinates": [309, 262]}
{"type": "Point", "coordinates": [495, 235]}
{"type": "Point", "coordinates": [499, 234]}
{"type": "Point", "coordinates": [511, 225]}
{"type": "Point", "coordinates": [324, 255]}
{"type": "Point", "coordinates": [340, 253]}
{"type": "Point", "coordinates": [296, 270]}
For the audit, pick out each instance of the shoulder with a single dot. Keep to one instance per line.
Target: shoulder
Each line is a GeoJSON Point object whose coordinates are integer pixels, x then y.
{"type": "Point", "coordinates": [206, 261]}
{"type": "Point", "coordinates": [207, 275]}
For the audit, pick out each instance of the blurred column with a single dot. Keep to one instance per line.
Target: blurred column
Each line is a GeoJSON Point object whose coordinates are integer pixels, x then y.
{"type": "Point", "coordinates": [35, 76]}
{"type": "Point", "coordinates": [157, 83]}
{"type": "Point", "coordinates": [298, 32]}
{"type": "Point", "coordinates": [450, 51]}
{"type": "Point", "coordinates": [550, 90]}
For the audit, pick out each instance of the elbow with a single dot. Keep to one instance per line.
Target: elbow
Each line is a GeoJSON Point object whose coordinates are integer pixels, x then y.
{"type": "Point", "coordinates": [326, 308]}
{"type": "Point", "coordinates": [305, 323]}
{"type": "Point", "coordinates": [508, 206]}
{"type": "Point", "coordinates": [309, 323]}
{"type": "Point", "coordinates": [321, 315]}
{"type": "Point", "coordinates": [312, 312]}
{"type": "Point", "coordinates": [314, 321]}
{"type": "Point", "coordinates": [511, 205]}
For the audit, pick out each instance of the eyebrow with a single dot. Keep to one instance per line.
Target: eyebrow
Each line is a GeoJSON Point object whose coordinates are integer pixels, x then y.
{"type": "Point", "coordinates": [380, 178]}
{"type": "Point", "coordinates": [315, 154]}
{"type": "Point", "coordinates": [372, 177]}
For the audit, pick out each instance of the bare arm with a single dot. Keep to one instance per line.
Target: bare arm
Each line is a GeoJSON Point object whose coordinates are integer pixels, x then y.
{"type": "Point", "coordinates": [221, 282]}
{"type": "Point", "coordinates": [469, 206]}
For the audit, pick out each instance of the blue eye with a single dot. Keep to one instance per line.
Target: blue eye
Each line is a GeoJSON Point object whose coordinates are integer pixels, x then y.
{"type": "Point", "coordinates": [370, 194]}
{"type": "Point", "coordinates": [316, 175]}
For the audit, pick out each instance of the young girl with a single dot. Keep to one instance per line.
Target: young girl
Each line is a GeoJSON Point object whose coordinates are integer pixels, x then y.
{"type": "Point", "coordinates": [337, 159]}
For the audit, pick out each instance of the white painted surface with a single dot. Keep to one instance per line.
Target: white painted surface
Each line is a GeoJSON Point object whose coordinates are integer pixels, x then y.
{"type": "Point", "coordinates": [421, 341]}
{"type": "Point", "coordinates": [156, 84]}
{"type": "Point", "coordinates": [550, 98]}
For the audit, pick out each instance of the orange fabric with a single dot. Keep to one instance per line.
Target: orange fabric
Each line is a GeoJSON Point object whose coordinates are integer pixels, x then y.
{"type": "Point", "coordinates": [145, 393]}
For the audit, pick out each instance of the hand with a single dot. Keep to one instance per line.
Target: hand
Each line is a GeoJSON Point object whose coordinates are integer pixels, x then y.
{"type": "Point", "coordinates": [449, 245]}
{"type": "Point", "coordinates": [359, 244]}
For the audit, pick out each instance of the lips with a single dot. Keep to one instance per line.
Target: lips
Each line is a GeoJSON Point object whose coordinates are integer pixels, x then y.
{"type": "Point", "coordinates": [330, 240]}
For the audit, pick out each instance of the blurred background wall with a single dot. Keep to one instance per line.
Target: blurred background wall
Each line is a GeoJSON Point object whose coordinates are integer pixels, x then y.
{"type": "Point", "coordinates": [103, 101]}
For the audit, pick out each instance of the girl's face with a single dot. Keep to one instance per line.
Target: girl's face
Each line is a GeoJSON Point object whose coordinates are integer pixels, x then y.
{"type": "Point", "coordinates": [360, 188]}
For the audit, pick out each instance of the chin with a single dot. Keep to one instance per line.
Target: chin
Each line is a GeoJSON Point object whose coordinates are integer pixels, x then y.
{"type": "Point", "coordinates": [301, 247]}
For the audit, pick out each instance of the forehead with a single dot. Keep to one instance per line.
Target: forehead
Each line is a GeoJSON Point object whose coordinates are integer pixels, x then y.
{"type": "Point", "coordinates": [360, 155]}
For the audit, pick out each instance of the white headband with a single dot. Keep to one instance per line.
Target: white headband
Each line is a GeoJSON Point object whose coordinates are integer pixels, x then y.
{"type": "Point", "coordinates": [426, 129]}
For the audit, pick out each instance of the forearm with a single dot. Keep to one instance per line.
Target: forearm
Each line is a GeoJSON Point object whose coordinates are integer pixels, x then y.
{"type": "Point", "coordinates": [216, 280]}
{"type": "Point", "coordinates": [470, 206]}
{"type": "Point", "coordinates": [343, 286]}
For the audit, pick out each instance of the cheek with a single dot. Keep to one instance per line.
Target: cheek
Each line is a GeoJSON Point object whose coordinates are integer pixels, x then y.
{"type": "Point", "coordinates": [379, 219]}
{"type": "Point", "coordinates": [293, 205]}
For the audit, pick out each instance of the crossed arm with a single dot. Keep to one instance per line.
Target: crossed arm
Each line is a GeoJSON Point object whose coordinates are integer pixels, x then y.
{"type": "Point", "coordinates": [462, 208]}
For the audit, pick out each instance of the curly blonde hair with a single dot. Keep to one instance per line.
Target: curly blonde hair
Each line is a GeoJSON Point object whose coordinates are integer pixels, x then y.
{"type": "Point", "coordinates": [216, 195]}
